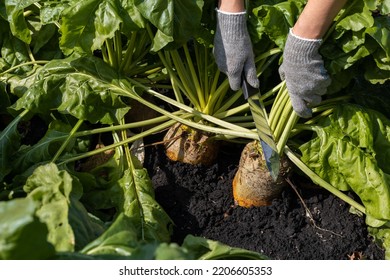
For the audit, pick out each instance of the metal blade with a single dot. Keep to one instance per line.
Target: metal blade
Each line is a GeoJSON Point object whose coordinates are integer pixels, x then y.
{"type": "Point", "coordinates": [260, 118]}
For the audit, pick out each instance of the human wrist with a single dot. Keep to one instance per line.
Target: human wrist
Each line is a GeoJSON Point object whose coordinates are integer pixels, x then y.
{"type": "Point", "coordinates": [231, 6]}
{"type": "Point", "coordinates": [232, 25]}
{"type": "Point", "coordinates": [300, 50]}
{"type": "Point", "coordinates": [307, 32]}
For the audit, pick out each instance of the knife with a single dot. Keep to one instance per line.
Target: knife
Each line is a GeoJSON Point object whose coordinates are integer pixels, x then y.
{"type": "Point", "coordinates": [260, 118]}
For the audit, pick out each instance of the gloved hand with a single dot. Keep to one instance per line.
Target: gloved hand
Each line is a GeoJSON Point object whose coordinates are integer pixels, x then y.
{"type": "Point", "coordinates": [233, 49]}
{"type": "Point", "coordinates": [304, 72]}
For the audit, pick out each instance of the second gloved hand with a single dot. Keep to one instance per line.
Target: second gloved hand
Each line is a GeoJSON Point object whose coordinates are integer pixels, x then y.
{"type": "Point", "coordinates": [233, 49]}
{"type": "Point", "coordinates": [304, 72]}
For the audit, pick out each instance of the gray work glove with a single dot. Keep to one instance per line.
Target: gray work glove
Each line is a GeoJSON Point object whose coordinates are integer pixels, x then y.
{"type": "Point", "coordinates": [304, 72]}
{"type": "Point", "coordinates": [233, 49]}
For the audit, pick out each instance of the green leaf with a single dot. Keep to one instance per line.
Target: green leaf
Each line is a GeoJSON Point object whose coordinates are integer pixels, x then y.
{"type": "Point", "coordinates": [22, 234]}
{"type": "Point", "coordinates": [51, 189]}
{"type": "Point", "coordinates": [357, 37]}
{"type": "Point", "coordinates": [42, 36]}
{"type": "Point", "coordinates": [380, 31]}
{"type": "Point", "coordinates": [42, 151]}
{"type": "Point", "coordinates": [50, 11]}
{"type": "Point", "coordinates": [101, 188]}
{"type": "Point", "coordinates": [121, 238]}
{"type": "Point", "coordinates": [57, 194]}
{"type": "Point", "coordinates": [17, 83]}
{"type": "Point", "coordinates": [376, 75]}
{"type": "Point", "coordinates": [382, 236]}
{"type": "Point", "coordinates": [206, 249]}
{"type": "Point", "coordinates": [351, 151]}
{"type": "Point", "coordinates": [18, 24]}
{"type": "Point", "coordinates": [9, 144]}
{"type": "Point", "coordinates": [85, 87]}
{"type": "Point", "coordinates": [169, 17]}
{"type": "Point", "coordinates": [86, 25]}
{"type": "Point", "coordinates": [381, 34]}
{"type": "Point", "coordinates": [141, 219]}
{"type": "Point", "coordinates": [359, 17]}
{"type": "Point", "coordinates": [5, 100]}
{"type": "Point", "coordinates": [171, 251]}
{"type": "Point", "coordinates": [151, 221]}
{"type": "Point", "coordinates": [376, 97]}
{"type": "Point", "coordinates": [132, 18]}
{"type": "Point", "coordinates": [275, 20]}
{"type": "Point", "coordinates": [383, 6]}
{"type": "Point", "coordinates": [14, 51]}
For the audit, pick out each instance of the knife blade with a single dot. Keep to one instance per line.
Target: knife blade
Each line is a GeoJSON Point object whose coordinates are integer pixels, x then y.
{"type": "Point", "coordinates": [260, 118]}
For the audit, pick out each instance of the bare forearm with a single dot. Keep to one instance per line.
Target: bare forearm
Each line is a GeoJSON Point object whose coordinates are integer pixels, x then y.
{"type": "Point", "coordinates": [231, 6]}
{"type": "Point", "coordinates": [317, 17]}
{"type": "Point", "coordinates": [314, 21]}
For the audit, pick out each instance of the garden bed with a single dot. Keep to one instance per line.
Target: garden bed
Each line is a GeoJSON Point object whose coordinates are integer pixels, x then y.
{"type": "Point", "coordinates": [199, 200]}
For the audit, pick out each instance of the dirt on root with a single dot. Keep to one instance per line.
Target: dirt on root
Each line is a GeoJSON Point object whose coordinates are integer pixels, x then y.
{"type": "Point", "coordinates": [200, 202]}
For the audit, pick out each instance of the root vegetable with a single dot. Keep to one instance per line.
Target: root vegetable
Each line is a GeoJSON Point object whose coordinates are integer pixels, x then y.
{"type": "Point", "coordinates": [191, 146]}
{"type": "Point", "coordinates": [253, 185]}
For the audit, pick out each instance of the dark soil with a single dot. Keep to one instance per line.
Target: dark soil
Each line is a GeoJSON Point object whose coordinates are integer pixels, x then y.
{"type": "Point", "coordinates": [199, 200]}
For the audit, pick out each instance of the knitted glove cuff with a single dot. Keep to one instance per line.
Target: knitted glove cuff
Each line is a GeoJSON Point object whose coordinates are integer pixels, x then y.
{"type": "Point", "coordinates": [300, 50]}
{"type": "Point", "coordinates": [232, 25]}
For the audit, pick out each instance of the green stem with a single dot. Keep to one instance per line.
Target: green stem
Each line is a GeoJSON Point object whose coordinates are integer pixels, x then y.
{"type": "Point", "coordinates": [275, 110]}
{"type": "Point", "coordinates": [266, 60]}
{"type": "Point", "coordinates": [321, 182]}
{"type": "Point", "coordinates": [232, 111]}
{"type": "Point", "coordinates": [206, 88]}
{"type": "Point", "coordinates": [153, 130]}
{"type": "Point", "coordinates": [142, 44]}
{"type": "Point", "coordinates": [247, 118]}
{"type": "Point", "coordinates": [120, 143]}
{"type": "Point", "coordinates": [176, 83]}
{"type": "Point", "coordinates": [24, 64]}
{"type": "Point", "coordinates": [135, 67]}
{"type": "Point", "coordinates": [215, 99]}
{"type": "Point", "coordinates": [230, 128]}
{"type": "Point", "coordinates": [266, 54]}
{"type": "Point", "coordinates": [126, 62]}
{"type": "Point", "coordinates": [106, 59]}
{"type": "Point", "coordinates": [191, 89]}
{"type": "Point", "coordinates": [279, 113]}
{"type": "Point", "coordinates": [30, 54]}
{"type": "Point", "coordinates": [12, 124]}
{"type": "Point", "coordinates": [126, 147]}
{"type": "Point", "coordinates": [194, 78]}
{"type": "Point", "coordinates": [125, 126]}
{"type": "Point", "coordinates": [68, 139]}
{"type": "Point", "coordinates": [286, 134]}
{"type": "Point", "coordinates": [118, 47]}
{"type": "Point", "coordinates": [234, 129]}
{"type": "Point", "coordinates": [215, 83]}
{"type": "Point", "coordinates": [112, 58]}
